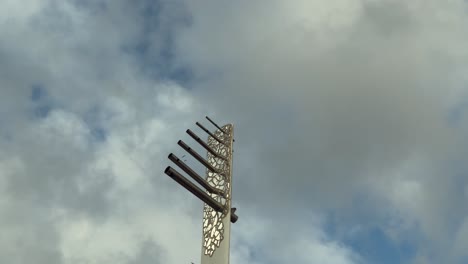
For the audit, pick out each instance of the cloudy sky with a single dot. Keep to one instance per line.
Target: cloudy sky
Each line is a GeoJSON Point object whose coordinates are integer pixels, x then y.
{"type": "Point", "coordinates": [350, 124]}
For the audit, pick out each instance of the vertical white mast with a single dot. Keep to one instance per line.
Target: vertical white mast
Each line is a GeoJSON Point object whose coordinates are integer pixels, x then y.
{"type": "Point", "coordinates": [215, 189]}
{"type": "Point", "coordinates": [217, 225]}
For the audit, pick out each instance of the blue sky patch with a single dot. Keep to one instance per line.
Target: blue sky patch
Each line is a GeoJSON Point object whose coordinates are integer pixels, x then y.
{"type": "Point", "coordinates": [38, 92]}
{"type": "Point", "coordinates": [98, 134]}
{"type": "Point", "coordinates": [94, 119]}
{"type": "Point", "coordinates": [377, 247]}
{"type": "Point", "coordinates": [41, 101]}
{"type": "Point", "coordinates": [363, 230]}
{"type": "Point", "coordinates": [455, 115]}
{"type": "Point", "coordinates": [42, 111]}
{"type": "Point", "coordinates": [154, 48]}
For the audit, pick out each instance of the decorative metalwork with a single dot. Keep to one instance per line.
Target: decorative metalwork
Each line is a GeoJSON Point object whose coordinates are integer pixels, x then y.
{"type": "Point", "coordinates": [213, 228]}
{"type": "Point", "coordinates": [214, 190]}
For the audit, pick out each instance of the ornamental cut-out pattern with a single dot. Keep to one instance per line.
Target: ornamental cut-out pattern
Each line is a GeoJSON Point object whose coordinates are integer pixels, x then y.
{"type": "Point", "coordinates": [213, 228]}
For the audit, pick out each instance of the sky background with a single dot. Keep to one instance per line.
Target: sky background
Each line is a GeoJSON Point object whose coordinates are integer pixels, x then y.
{"type": "Point", "coordinates": [350, 124]}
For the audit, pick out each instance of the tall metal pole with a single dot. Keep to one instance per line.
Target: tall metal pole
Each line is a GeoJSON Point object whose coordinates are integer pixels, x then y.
{"type": "Point", "coordinates": [217, 225]}
{"type": "Point", "coordinates": [217, 212]}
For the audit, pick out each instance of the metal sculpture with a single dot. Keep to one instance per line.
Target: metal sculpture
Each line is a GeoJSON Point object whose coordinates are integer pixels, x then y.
{"type": "Point", "coordinates": [217, 211]}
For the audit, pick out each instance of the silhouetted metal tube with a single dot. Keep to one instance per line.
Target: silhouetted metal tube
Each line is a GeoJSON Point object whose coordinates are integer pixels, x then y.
{"type": "Point", "coordinates": [197, 156]}
{"type": "Point", "coordinates": [209, 133]}
{"type": "Point", "coordinates": [201, 142]}
{"type": "Point", "coordinates": [194, 175]}
{"type": "Point", "coordinates": [212, 122]}
{"type": "Point", "coordinates": [194, 189]}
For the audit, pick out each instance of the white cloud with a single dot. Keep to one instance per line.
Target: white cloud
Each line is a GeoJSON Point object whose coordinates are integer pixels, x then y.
{"type": "Point", "coordinates": [263, 240]}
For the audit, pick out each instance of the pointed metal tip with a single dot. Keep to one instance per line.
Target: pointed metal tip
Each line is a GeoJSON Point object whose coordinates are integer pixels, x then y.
{"type": "Point", "coordinates": [216, 125]}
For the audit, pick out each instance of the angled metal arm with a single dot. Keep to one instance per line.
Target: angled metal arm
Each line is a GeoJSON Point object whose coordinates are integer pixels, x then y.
{"type": "Point", "coordinates": [194, 189]}
{"type": "Point", "coordinates": [208, 148]}
{"type": "Point", "coordinates": [199, 192]}
{"type": "Point", "coordinates": [218, 127]}
{"type": "Point", "coordinates": [209, 133]}
{"type": "Point", "coordinates": [194, 175]}
{"type": "Point", "coordinates": [197, 156]}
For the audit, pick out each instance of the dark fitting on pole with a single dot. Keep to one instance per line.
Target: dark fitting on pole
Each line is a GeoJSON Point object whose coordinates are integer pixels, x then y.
{"type": "Point", "coordinates": [201, 142]}
{"type": "Point", "coordinates": [197, 156]}
{"type": "Point", "coordinates": [234, 217]}
{"type": "Point", "coordinates": [209, 133]}
{"type": "Point", "coordinates": [194, 175]}
{"type": "Point", "coordinates": [218, 127]}
{"type": "Point", "coordinates": [194, 189]}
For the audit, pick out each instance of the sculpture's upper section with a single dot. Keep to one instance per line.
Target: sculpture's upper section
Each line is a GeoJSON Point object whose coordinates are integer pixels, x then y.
{"type": "Point", "coordinates": [215, 190]}
{"type": "Point", "coordinates": [213, 227]}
